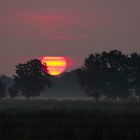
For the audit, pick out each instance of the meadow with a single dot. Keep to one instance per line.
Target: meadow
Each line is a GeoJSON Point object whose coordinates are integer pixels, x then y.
{"type": "Point", "coordinates": [69, 120]}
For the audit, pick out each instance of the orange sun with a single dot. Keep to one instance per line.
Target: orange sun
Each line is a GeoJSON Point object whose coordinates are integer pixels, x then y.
{"type": "Point", "coordinates": [54, 65]}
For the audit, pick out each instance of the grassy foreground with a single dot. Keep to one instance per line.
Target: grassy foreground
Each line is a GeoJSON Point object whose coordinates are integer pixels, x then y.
{"type": "Point", "coordinates": [69, 120]}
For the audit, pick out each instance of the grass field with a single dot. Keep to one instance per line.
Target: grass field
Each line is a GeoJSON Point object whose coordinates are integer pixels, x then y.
{"type": "Point", "coordinates": [69, 120]}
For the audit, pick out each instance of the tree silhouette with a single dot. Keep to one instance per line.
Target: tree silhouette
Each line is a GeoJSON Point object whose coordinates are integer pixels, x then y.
{"type": "Point", "coordinates": [135, 72]}
{"type": "Point", "coordinates": [92, 76]}
{"type": "Point", "coordinates": [105, 73]}
{"type": "Point", "coordinates": [31, 79]}
{"type": "Point", "coordinates": [2, 89]}
{"type": "Point", "coordinates": [118, 74]}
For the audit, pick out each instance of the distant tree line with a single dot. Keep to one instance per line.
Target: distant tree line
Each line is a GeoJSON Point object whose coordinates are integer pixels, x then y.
{"type": "Point", "coordinates": [113, 74]}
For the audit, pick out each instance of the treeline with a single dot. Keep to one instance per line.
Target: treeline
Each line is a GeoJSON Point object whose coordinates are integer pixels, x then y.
{"type": "Point", "coordinates": [111, 74]}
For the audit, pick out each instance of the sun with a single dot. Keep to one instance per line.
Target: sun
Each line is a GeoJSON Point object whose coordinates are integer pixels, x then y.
{"type": "Point", "coordinates": [54, 65]}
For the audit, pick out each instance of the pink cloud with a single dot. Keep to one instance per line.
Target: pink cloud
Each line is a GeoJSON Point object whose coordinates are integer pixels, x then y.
{"type": "Point", "coordinates": [51, 25]}
{"type": "Point", "coordinates": [68, 37]}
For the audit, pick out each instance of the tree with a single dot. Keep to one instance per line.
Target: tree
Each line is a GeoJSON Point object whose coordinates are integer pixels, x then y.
{"type": "Point", "coordinates": [105, 73]}
{"type": "Point", "coordinates": [135, 72]}
{"type": "Point", "coordinates": [31, 78]}
{"type": "Point", "coordinates": [2, 89]}
{"type": "Point", "coordinates": [118, 74]}
{"type": "Point", "coordinates": [92, 76]}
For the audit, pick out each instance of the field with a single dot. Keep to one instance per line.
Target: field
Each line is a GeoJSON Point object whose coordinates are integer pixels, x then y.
{"type": "Point", "coordinates": [69, 120]}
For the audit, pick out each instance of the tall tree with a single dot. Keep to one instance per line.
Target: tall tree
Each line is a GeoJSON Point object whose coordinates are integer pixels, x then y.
{"type": "Point", "coordinates": [92, 76]}
{"type": "Point", "coordinates": [31, 79]}
{"type": "Point", "coordinates": [105, 73]}
{"type": "Point", "coordinates": [118, 74]}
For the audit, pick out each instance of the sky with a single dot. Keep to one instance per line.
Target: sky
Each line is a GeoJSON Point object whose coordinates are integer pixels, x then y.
{"type": "Point", "coordinates": [73, 28]}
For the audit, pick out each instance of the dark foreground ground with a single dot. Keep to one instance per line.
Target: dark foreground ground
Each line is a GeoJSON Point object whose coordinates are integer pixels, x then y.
{"type": "Point", "coordinates": [69, 120]}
